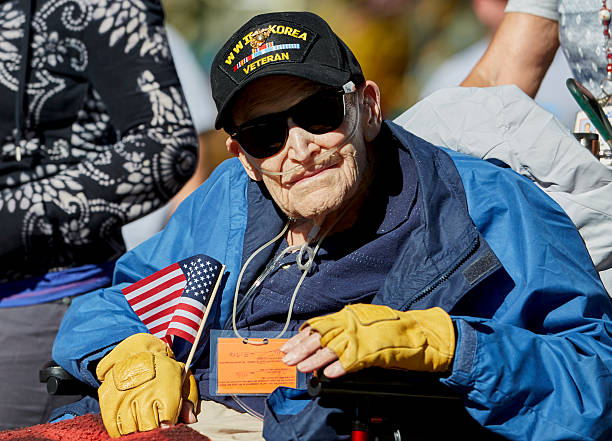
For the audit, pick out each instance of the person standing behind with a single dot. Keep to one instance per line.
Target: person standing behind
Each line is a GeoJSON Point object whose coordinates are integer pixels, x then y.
{"type": "Point", "coordinates": [552, 95]}
{"type": "Point", "coordinates": [520, 53]}
{"type": "Point", "coordinates": [525, 44]}
{"type": "Point", "coordinates": [94, 132]}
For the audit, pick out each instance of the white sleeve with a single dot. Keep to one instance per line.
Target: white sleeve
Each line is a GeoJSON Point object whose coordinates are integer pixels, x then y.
{"type": "Point", "coordinates": [542, 8]}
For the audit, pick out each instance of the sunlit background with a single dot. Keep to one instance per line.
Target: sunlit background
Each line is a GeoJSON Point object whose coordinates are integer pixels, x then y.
{"type": "Point", "coordinates": [399, 43]}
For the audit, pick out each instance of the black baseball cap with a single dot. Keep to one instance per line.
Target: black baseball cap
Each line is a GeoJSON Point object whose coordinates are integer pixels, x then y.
{"type": "Point", "coordinates": [300, 44]}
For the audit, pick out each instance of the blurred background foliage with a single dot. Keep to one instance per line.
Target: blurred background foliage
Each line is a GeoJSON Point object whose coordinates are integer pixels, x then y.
{"type": "Point", "coordinates": [398, 42]}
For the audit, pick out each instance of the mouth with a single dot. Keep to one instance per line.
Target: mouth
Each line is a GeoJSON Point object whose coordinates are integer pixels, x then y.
{"type": "Point", "coordinates": [309, 172]}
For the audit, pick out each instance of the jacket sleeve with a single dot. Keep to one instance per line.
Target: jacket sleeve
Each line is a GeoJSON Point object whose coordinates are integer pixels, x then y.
{"type": "Point", "coordinates": [131, 147]}
{"type": "Point", "coordinates": [537, 368]}
{"type": "Point", "coordinates": [210, 221]}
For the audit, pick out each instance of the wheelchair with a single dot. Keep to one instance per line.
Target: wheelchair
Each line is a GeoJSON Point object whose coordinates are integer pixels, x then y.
{"type": "Point", "coordinates": [396, 405]}
{"type": "Point", "coordinates": [60, 382]}
{"type": "Point", "coordinates": [383, 404]}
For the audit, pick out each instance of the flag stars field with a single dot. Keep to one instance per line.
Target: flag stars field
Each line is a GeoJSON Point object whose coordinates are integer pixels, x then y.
{"type": "Point", "coordinates": [172, 301]}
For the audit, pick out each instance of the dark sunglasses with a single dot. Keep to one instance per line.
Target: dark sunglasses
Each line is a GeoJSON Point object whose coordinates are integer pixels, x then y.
{"type": "Point", "coordinates": [265, 136]}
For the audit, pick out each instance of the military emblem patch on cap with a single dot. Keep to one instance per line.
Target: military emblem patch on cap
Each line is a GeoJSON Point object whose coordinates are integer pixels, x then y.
{"type": "Point", "coordinates": [271, 43]}
{"type": "Point", "coordinates": [299, 44]}
{"type": "Point", "coordinates": [260, 36]}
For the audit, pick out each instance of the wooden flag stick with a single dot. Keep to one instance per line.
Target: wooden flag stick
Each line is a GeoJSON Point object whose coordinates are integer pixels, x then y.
{"type": "Point", "coordinates": [201, 328]}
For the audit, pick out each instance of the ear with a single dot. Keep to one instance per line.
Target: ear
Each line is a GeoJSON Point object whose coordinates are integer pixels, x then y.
{"type": "Point", "coordinates": [234, 149]}
{"type": "Point", "coordinates": [372, 114]}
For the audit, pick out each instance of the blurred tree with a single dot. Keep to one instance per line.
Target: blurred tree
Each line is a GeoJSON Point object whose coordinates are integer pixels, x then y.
{"type": "Point", "coordinates": [379, 39]}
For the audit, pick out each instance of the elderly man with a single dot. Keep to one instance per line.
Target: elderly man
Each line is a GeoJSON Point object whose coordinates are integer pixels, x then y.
{"type": "Point", "coordinates": [447, 263]}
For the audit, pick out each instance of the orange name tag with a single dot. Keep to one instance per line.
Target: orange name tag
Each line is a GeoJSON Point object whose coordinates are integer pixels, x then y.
{"type": "Point", "coordinates": [252, 369]}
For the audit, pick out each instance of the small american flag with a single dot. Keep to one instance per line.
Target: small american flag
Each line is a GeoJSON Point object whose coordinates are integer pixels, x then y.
{"type": "Point", "coordinates": [172, 301]}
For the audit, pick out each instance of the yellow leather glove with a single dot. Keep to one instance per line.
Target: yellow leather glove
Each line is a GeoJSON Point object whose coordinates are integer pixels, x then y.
{"type": "Point", "coordinates": [364, 335]}
{"type": "Point", "coordinates": [141, 386]}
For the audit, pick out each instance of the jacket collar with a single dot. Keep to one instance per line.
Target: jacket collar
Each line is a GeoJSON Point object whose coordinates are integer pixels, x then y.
{"type": "Point", "coordinates": [392, 194]}
{"type": "Point", "coordinates": [431, 269]}
{"type": "Point", "coordinates": [446, 256]}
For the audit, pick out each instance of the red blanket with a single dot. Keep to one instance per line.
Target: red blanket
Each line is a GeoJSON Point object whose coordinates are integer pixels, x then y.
{"type": "Point", "coordinates": [89, 428]}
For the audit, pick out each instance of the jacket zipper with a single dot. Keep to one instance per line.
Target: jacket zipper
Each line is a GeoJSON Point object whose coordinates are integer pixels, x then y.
{"type": "Point", "coordinates": [444, 276]}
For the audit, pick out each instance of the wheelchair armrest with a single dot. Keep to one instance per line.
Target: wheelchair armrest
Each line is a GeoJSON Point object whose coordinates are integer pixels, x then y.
{"type": "Point", "coordinates": [383, 383]}
{"type": "Point", "coordinates": [60, 382]}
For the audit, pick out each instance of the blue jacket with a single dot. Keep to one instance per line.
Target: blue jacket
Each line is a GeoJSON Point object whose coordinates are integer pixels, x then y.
{"type": "Point", "coordinates": [534, 342]}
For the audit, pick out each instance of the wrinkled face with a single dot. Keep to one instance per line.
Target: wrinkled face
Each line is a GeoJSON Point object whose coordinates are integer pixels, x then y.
{"type": "Point", "coordinates": [319, 186]}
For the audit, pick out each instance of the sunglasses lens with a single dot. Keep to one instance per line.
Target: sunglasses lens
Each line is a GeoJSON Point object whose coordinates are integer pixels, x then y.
{"type": "Point", "coordinates": [264, 139]}
{"type": "Point", "coordinates": [318, 114]}
{"type": "Point", "coordinates": [321, 113]}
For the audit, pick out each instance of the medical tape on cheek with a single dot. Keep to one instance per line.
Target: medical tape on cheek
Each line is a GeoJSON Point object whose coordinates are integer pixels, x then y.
{"type": "Point", "coordinates": [323, 158]}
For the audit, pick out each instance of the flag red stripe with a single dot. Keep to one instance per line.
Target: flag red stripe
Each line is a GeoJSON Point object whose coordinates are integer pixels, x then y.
{"type": "Point", "coordinates": [180, 333]}
{"type": "Point", "coordinates": [185, 321]}
{"type": "Point", "coordinates": [192, 309]}
{"type": "Point", "coordinates": [149, 279]}
{"type": "Point", "coordinates": [158, 315]}
{"type": "Point", "coordinates": [151, 292]}
{"type": "Point", "coordinates": [139, 312]}
{"type": "Point", "coordinates": [158, 328]}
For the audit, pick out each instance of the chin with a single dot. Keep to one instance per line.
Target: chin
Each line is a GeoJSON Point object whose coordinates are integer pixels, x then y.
{"type": "Point", "coordinates": [313, 205]}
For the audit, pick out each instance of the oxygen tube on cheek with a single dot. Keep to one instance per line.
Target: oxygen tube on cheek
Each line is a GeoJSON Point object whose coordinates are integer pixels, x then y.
{"type": "Point", "coordinates": [331, 153]}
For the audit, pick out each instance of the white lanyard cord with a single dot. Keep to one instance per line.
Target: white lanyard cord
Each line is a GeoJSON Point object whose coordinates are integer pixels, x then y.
{"type": "Point", "coordinates": [258, 279]}
{"type": "Point", "coordinates": [305, 269]}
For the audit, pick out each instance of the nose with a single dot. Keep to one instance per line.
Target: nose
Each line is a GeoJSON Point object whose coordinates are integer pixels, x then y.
{"type": "Point", "coordinates": [301, 143]}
